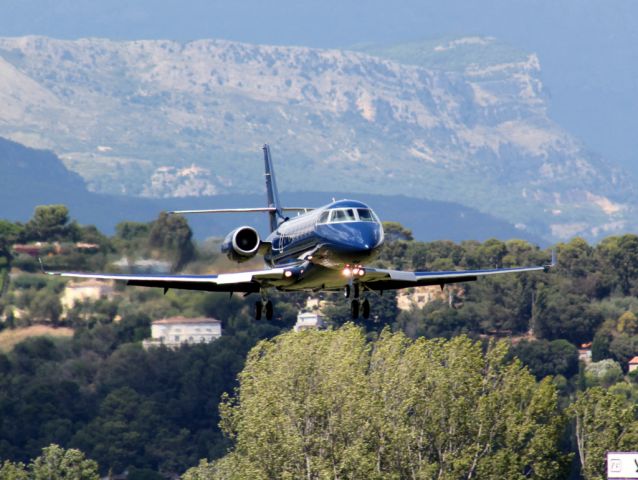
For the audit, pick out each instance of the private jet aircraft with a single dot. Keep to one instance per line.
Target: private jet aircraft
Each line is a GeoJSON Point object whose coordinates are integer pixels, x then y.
{"type": "Point", "coordinates": [322, 249]}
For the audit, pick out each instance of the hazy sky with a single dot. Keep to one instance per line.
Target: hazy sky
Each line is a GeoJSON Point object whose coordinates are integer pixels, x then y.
{"type": "Point", "coordinates": [588, 48]}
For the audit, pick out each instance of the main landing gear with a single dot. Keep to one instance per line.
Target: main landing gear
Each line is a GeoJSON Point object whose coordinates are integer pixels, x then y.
{"type": "Point", "coordinates": [357, 307]}
{"type": "Point", "coordinates": [261, 307]}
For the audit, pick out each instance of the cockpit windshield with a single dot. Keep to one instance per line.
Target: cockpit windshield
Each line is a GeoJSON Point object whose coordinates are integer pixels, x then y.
{"type": "Point", "coordinates": [365, 215]}
{"type": "Point", "coordinates": [340, 215]}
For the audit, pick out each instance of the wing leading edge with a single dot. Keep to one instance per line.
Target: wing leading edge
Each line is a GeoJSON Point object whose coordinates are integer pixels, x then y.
{"type": "Point", "coordinates": [245, 282]}
{"type": "Point", "coordinates": [381, 279]}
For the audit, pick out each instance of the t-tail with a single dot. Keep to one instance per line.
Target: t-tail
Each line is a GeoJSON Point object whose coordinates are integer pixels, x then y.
{"type": "Point", "coordinates": [274, 209]}
{"type": "Point", "coordinates": [276, 213]}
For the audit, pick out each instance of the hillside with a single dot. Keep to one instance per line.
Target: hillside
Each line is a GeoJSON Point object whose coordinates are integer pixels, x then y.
{"type": "Point", "coordinates": [11, 337]}
{"type": "Point", "coordinates": [166, 119]}
{"type": "Point", "coordinates": [33, 177]}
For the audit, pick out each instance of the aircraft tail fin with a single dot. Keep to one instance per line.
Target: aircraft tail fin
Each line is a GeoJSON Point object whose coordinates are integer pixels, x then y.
{"type": "Point", "coordinates": [274, 209]}
{"type": "Point", "coordinates": [276, 212]}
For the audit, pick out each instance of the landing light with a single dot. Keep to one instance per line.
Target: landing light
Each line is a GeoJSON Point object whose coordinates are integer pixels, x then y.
{"type": "Point", "coordinates": [362, 272]}
{"type": "Point", "coordinates": [287, 274]}
{"type": "Point", "coordinates": [347, 272]}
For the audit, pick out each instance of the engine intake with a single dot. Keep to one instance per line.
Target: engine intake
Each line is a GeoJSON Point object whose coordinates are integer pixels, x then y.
{"type": "Point", "coordinates": [241, 244]}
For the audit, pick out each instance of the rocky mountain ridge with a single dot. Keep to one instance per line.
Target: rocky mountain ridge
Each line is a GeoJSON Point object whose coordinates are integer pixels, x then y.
{"type": "Point", "coordinates": [124, 113]}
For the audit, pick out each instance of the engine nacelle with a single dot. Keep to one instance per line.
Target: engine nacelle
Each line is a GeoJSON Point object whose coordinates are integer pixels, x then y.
{"type": "Point", "coordinates": [241, 244]}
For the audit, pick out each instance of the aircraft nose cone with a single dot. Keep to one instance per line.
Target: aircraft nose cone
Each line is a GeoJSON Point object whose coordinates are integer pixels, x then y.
{"type": "Point", "coordinates": [360, 237]}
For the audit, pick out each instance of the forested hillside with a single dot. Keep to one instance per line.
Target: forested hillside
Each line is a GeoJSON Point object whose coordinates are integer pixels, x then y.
{"type": "Point", "coordinates": [351, 400]}
{"type": "Point", "coordinates": [34, 177]}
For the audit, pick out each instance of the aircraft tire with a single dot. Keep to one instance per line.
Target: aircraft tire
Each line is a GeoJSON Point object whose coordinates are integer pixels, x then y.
{"type": "Point", "coordinates": [258, 309]}
{"type": "Point", "coordinates": [269, 310]}
{"type": "Point", "coordinates": [346, 291]}
{"type": "Point", "coordinates": [354, 309]}
{"type": "Point", "coordinates": [365, 309]}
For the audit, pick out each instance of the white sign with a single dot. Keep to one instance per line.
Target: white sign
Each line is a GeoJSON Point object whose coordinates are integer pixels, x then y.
{"type": "Point", "coordinates": [622, 465]}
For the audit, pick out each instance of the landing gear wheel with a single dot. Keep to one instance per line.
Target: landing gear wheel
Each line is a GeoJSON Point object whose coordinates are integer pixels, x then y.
{"type": "Point", "coordinates": [365, 309]}
{"type": "Point", "coordinates": [258, 309]}
{"type": "Point", "coordinates": [354, 309]}
{"type": "Point", "coordinates": [346, 291]}
{"type": "Point", "coordinates": [269, 310]}
{"type": "Point", "coordinates": [356, 290]}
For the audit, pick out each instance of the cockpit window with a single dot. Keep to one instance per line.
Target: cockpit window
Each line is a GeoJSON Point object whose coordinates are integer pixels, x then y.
{"type": "Point", "coordinates": [343, 215]}
{"type": "Point", "coordinates": [324, 217]}
{"type": "Point", "coordinates": [365, 215]}
{"type": "Point", "coordinates": [338, 215]}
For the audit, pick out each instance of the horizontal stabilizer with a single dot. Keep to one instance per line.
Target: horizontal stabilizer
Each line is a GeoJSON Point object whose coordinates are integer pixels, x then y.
{"type": "Point", "coordinates": [243, 210]}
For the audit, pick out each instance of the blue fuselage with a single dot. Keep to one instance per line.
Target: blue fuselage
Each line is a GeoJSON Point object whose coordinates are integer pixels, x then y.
{"type": "Point", "coordinates": [343, 233]}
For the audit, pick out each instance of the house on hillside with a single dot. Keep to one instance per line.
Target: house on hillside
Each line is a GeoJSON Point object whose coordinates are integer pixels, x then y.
{"type": "Point", "coordinates": [77, 292]}
{"type": "Point", "coordinates": [584, 352]}
{"type": "Point", "coordinates": [419, 297]}
{"type": "Point", "coordinates": [37, 249]}
{"type": "Point", "coordinates": [633, 364]}
{"type": "Point", "coordinates": [144, 265]}
{"type": "Point", "coordinates": [174, 332]}
{"type": "Point", "coordinates": [309, 320]}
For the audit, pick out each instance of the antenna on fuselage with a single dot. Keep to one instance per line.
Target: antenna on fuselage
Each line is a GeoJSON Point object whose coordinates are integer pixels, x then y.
{"type": "Point", "coordinates": [276, 216]}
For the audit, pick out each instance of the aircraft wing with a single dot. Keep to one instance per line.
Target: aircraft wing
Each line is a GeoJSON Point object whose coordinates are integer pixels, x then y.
{"type": "Point", "coordinates": [245, 282]}
{"type": "Point", "coordinates": [381, 279]}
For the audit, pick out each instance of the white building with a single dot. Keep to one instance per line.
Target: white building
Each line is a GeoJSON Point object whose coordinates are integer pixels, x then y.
{"type": "Point", "coordinates": [77, 292]}
{"type": "Point", "coordinates": [419, 297]}
{"type": "Point", "coordinates": [176, 331]}
{"type": "Point", "coordinates": [308, 320]}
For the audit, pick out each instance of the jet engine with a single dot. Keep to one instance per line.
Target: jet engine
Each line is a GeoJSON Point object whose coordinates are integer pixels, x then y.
{"type": "Point", "coordinates": [241, 244]}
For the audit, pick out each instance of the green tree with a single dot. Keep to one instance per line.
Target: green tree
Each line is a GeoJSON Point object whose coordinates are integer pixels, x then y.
{"type": "Point", "coordinates": [492, 252]}
{"type": "Point", "coordinates": [13, 471]}
{"type": "Point", "coordinates": [395, 231]}
{"type": "Point", "coordinates": [620, 254]}
{"type": "Point", "coordinates": [628, 323]}
{"type": "Point", "coordinates": [55, 463]}
{"type": "Point", "coordinates": [565, 315]}
{"type": "Point", "coordinates": [558, 357]}
{"type": "Point", "coordinates": [623, 348]}
{"type": "Point", "coordinates": [51, 222]}
{"type": "Point", "coordinates": [604, 373]}
{"type": "Point", "coordinates": [331, 405]}
{"type": "Point", "coordinates": [600, 347]}
{"type": "Point", "coordinates": [601, 422]}
{"type": "Point", "coordinates": [46, 306]}
{"type": "Point", "coordinates": [172, 234]}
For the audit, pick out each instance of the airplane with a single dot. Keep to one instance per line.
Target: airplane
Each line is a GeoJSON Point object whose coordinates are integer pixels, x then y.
{"type": "Point", "coordinates": [322, 249]}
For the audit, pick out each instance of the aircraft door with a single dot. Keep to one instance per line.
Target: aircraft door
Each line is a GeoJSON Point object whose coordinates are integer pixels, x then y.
{"type": "Point", "coordinates": [281, 242]}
